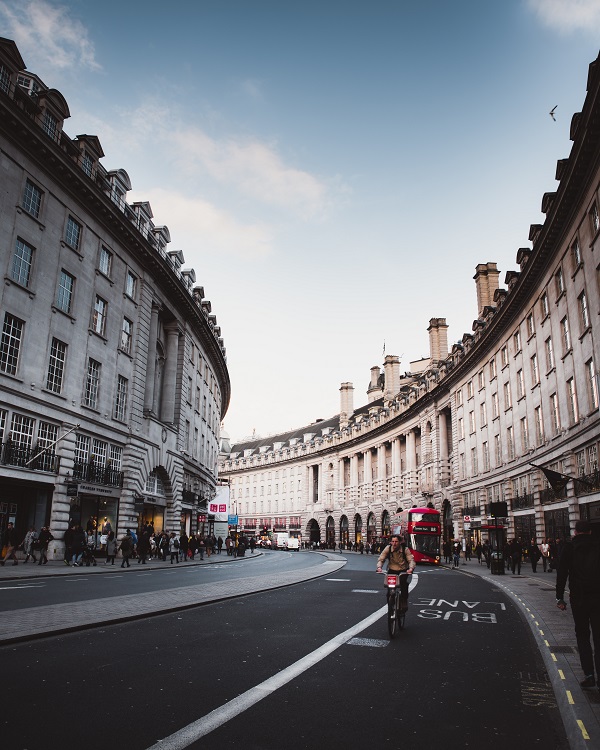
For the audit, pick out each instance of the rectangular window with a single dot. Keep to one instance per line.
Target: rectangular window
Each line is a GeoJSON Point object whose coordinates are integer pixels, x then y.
{"type": "Point", "coordinates": [121, 399]}
{"type": "Point", "coordinates": [459, 397]}
{"type": "Point", "coordinates": [530, 325]}
{"type": "Point", "coordinates": [73, 233]}
{"type": "Point", "coordinates": [50, 125]}
{"type": "Point", "coordinates": [116, 457]}
{"type": "Point", "coordinates": [486, 456]}
{"type": "Point", "coordinates": [21, 430]}
{"type": "Point", "coordinates": [197, 400]}
{"type": "Point", "coordinates": [87, 163]}
{"type": "Point", "coordinates": [474, 466]}
{"type": "Point", "coordinates": [497, 450]}
{"type": "Point", "coordinates": [549, 354]}
{"type": "Point", "coordinates": [56, 366]}
{"type": "Point", "coordinates": [64, 295]}
{"type": "Point", "coordinates": [461, 428]}
{"type": "Point", "coordinates": [539, 425]}
{"type": "Point", "coordinates": [495, 409]}
{"type": "Point", "coordinates": [592, 384]}
{"type": "Point", "coordinates": [524, 435]}
{"type": "Point", "coordinates": [560, 282]}
{"type": "Point", "coordinates": [471, 422]}
{"type": "Point", "coordinates": [92, 384]}
{"type": "Point", "coordinates": [99, 452]}
{"type": "Point", "coordinates": [565, 334]}
{"type": "Point", "coordinates": [576, 255]}
{"type": "Point", "coordinates": [592, 457]}
{"type": "Point", "coordinates": [130, 285]}
{"type": "Point", "coordinates": [10, 344]}
{"type": "Point", "coordinates": [105, 263]}
{"type": "Point", "coordinates": [47, 434]}
{"type": "Point", "coordinates": [483, 413]}
{"type": "Point", "coordinates": [510, 443]}
{"type": "Point", "coordinates": [594, 218]}
{"type": "Point", "coordinates": [584, 314]}
{"type": "Point", "coordinates": [554, 414]}
{"type": "Point", "coordinates": [22, 261]}
{"type": "Point", "coordinates": [507, 396]}
{"type": "Point", "coordinates": [99, 316]}
{"type": "Point", "coordinates": [520, 384]}
{"type": "Point", "coordinates": [32, 199]}
{"type": "Point", "coordinates": [544, 306]}
{"type": "Point", "coordinates": [572, 402]}
{"type": "Point", "coordinates": [480, 380]}
{"type": "Point", "coordinates": [82, 448]}
{"type": "Point", "coordinates": [535, 370]}
{"type": "Point", "coordinates": [470, 389]}
{"type": "Point", "coordinates": [4, 79]}
{"type": "Point", "coordinates": [504, 356]}
{"type": "Point", "coordinates": [492, 369]}
{"type": "Point", "coordinates": [126, 335]}
{"type": "Point", "coordinates": [517, 341]}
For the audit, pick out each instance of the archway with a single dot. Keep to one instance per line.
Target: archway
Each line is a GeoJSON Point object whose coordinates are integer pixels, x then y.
{"type": "Point", "coordinates": [386, 528]}
{"type": "Point", "coordinates": [330, 532]}
{"type": "Point", "coordinates": [448, 525]}
{"type": "Point", "coordinates": [343, 531]}
{"type": "Point", "coordinates": [313, 532]}
{"type": "Point", "coordinates": [371, 529]}
{"type": "Point", "coordinates": [358, 524]}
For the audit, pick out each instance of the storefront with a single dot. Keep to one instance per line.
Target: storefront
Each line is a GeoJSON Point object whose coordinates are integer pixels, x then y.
{"type": "Point", "coordinates": [25, 504]}
{"type": "Point", "coordinates": [153, 513]}
{"type": "Point", "coordinates": [95, 508]}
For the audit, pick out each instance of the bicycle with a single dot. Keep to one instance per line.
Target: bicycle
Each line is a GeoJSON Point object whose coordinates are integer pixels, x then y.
{"type": "Point", "coordinates": [397, 604]}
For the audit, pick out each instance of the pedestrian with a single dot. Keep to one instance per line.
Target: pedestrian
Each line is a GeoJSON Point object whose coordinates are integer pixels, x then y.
{"type": "Point", "coordinates": [183, 546]}
{"type": "Point", "coordinates": [456, 553]}
{"type": "Point", "coordinates": [580, 564]}
{"type": "Point", "coordinates": [478, 551]}
{"type": "Point", "coordinates": [68, 540]}
{"type": "Point", "coordinates": [486, 551]}
{"type": "Point", "coordinates": [126, 548]}
{"type": "Point", "coordinates": [545, 550]}
{"type": "Point", "coordinates": [163, 546]}
{"type": "Point", "coordinates": [9, 540]}
{"type": "Point", "coordinates": [43, 540]}
{"type": "Point", "coordinates": [252, 544]}
{"type": "Point", "coordinates": [201, 546]}
{"type": "Point", "coordinates": [29, 544]}
{"type": "Point", "coordinates": [220, 544]}
{"type": "Point", "coordinates": [534, 555]}
{"type": "Point", "coordinates": [174, 547]}
{"type": "Point", "coordinates": [143, 546]}
{"type": "Point", "coordinates": [193, 546]}
{"type": "Point", "coordinates": [111, 548]}
{"type": "Point", "coordinates": [77, 544]}
{"type": "Point", "coordinates": [553, 561]}
{"type": "Point", "coordinates": [447, 550]}
{"type": "Point", "coordinates": [516, 556]}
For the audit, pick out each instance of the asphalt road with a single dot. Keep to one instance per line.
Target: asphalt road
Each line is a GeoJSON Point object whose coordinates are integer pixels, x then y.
{"type": "Point", "coordinates": [140, 578]}
{"type": "Point", "coordinates": [270, 670]}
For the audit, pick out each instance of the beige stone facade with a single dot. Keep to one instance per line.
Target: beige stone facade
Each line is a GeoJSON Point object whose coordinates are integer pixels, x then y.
{"type": "Point", "coordinates": [113, 374]}
{"type": "Point", "coordinates": [472, 425]}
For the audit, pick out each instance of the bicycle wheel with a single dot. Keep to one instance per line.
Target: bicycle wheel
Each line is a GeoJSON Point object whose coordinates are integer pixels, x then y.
{"type": "Point", "coordinates": [393, 614]}
{"type": "Point", "coordinates": [401, 615]}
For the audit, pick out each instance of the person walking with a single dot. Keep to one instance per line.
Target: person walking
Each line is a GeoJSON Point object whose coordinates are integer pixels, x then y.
{"type": "Point", "coordinates": [44, 539]}
{"type": "Point", "coordinates": [29, 543]}
{"type": "Point", "coordinates": [534, 555]}
{"type": "Point", "coordinates": [580, 564]}
{"type": "Point", "coordinates": [545, 550]}
{"type": "Point", "coordinates": [456, 553]}
{"type": "Point", "coordinates": [174, 547]}
{"type": "Point", "coordinates": [516, 556]}
{"type": "Point", "coordinates": [111, 548]}
{"type": "Point", "coordinates": [126, 548]}
{"type": "Point", "coordinates": [68, 540]}
{"type": "Point", "coordinates": [143, 545]}
{"type": "Point", "coordinates": [9, 541]}
{"type": "Point", "coordinates": [77, 544]}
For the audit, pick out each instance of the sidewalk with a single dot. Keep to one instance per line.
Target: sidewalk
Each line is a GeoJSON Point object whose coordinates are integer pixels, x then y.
{"type": "Point", "coordinates": [554, 632]}
{"type": "Point", "coordinates": [37, 622]}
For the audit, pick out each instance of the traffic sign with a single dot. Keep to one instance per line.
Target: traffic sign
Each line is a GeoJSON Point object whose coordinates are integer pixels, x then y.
{"type": "Point", "coordinates": [467, 519]}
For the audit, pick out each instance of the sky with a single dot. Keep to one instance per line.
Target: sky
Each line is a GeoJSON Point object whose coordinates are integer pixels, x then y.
{"type": "Point", "coordinates": [333, 170]}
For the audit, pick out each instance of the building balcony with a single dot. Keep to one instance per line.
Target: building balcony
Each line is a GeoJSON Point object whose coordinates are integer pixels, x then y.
{"type": "Point", "coordinates": [550, 496]}
{"type": "Point", "coordinates": [586, 483]}
{"type": "Point", "coordinates": [522, 502]}
{"type": "Point", "coordinates": [13, 454]}
{"type": "Point", "coordinates": [97, 473]}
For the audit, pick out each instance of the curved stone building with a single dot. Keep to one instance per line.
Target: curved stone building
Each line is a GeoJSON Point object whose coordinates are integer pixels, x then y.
{"type": "Point", "coordinates": [113, 374]}
{"type": "Point", "coordinates": [489, 419]}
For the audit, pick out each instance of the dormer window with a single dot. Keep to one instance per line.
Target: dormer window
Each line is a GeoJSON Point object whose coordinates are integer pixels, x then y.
{"type": "Point", "coordinates": [87, 163]}
{"type": "Point", "coordinates": [4, 79]}
{"type": "Point", "coordinates": [50, 124]}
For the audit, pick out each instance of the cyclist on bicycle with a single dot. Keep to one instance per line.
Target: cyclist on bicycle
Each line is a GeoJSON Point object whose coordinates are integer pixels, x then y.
{"type": "Point", "coordinates": [400, 560]}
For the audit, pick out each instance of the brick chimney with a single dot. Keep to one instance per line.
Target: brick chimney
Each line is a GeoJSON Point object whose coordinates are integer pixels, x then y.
{"type": "Point", "coordinates": [391, 370]}
{"type": "Point", "coordinates": [374, 389]}
{"type": "Point", "coordinates": [486, 281]}
{"type": "Point", "coordinates": [438, 339]}
{"type": "Point", "coordinates": [346, 403]}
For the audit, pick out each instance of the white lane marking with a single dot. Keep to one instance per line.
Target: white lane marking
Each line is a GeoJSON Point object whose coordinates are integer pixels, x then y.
{"type": "Point", "coordinates": [75, 580]}
{"type": "Point", "coordinates": [366, 591]}
{"type": "Point", "coordinates": [215, 719]}
{"type": "Point", "coordinates": [337, 579]}
{"type": "Point", "coordinates": [22, 586]}
{"type": "Point", "coordinates": [372, 642]}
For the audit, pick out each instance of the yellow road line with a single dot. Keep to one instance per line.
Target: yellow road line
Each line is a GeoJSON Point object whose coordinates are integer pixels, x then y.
{"type": "Point", "coordinates": [584, 733]}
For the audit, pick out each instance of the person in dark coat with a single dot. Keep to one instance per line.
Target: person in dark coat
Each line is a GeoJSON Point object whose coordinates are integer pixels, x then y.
{"type": "Point", "coordinates": [78, 542]}
{"type": "Point", "coordinates": [126, 548]}
{"type": "Point", "coordinates": [9, 540]}
{"type": "Point", "coordinates": [143, 545]}
{"type": "Point", "coordinates": [534, 555]}
{"type": "Point", "coordinates": [580, 564]}
{"type": "Point", "coordinates": [516, 552]}
{"type": "Point", "coordinates": [44, 539]}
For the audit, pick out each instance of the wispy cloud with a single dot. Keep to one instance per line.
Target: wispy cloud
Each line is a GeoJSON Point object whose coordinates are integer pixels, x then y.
{"type": "Point", "coordinates": [206, 228]}
{"type": "Point", "coordinates": [568, 15]}
{"type": "Point", "coordinates": [47, 35]}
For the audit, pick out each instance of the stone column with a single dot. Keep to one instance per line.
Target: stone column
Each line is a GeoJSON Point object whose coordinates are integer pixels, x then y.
{"type": "Point", "coordinates": [341, 489]}
{"type": "Point", "coordinates": [167, 410]}
{"type": "Point", "coordinates": [151, 361]}
{"type": "Point", "coordinates": [368, 469]}
{"type": "Point", "coordinates": [353, 478]}
{"type": "Point", "coordinates": [381, 475]}
{"type": "Point", "coordinates": [411, 461]}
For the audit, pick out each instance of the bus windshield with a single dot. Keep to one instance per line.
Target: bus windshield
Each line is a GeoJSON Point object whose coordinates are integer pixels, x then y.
{"type": "Point", "coordinates": [429, 517]}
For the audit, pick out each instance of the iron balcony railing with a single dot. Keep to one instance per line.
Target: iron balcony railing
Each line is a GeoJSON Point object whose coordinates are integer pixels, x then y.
{"type": "Point", "coordinates": [14, 454]}
{"type": "Point", "coordinates": [587, 483]}
{"type": "Point", "coordinates": [96, 473]}
{"type": "Point", "coordinates": [521, 502]}
{"type": "Point", "coordinates": [472, 510]}
{"type": "Point", "coordinates": [550, 496]}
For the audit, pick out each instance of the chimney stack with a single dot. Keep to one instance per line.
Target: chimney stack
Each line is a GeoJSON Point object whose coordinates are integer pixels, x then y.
{"type": "Point", "coordinates": [438, 339]}
{"type": "Point", "coordinates": [486, 281]}
{"type": "Point", "coordinates": [374, 390]}
{"type": "Point", "coordinates": [391, 369]}
{"type": "Point", "coordinates": [346, 404]}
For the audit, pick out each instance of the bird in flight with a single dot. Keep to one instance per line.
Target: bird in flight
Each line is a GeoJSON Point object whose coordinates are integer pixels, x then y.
{"type": "Point", "coordinates": [552, 111]}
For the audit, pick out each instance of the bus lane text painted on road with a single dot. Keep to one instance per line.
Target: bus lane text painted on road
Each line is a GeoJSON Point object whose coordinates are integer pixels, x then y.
{"type": "Point", "coordinates": [444, 609]}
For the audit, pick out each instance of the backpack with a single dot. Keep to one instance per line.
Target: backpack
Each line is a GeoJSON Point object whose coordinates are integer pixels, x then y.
{"type": "Point", "coordinates": [176, 543]}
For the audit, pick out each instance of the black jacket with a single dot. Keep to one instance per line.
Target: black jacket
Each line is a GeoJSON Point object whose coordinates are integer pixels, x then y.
{"type": "Point", "coordinates": [580, 564]}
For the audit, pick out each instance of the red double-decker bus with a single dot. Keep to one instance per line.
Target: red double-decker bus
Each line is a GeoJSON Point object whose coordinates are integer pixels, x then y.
{"type": "Point", "coordinates": [422, 533]}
